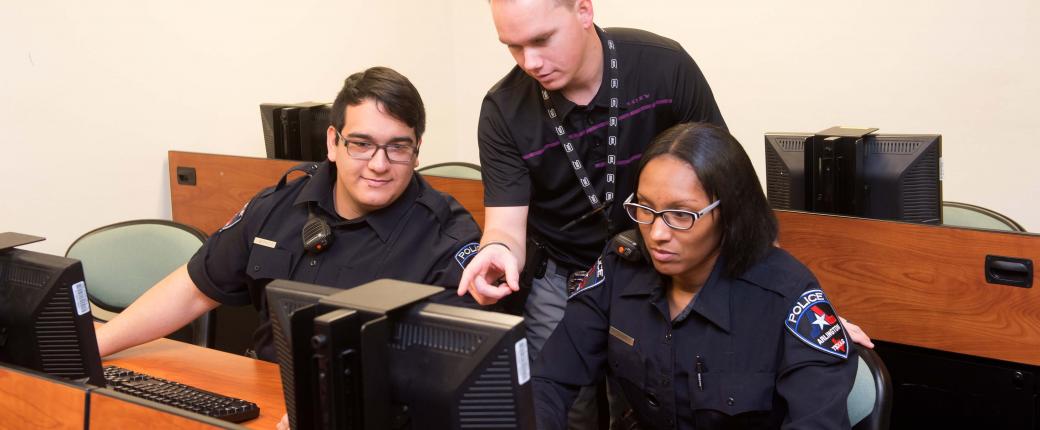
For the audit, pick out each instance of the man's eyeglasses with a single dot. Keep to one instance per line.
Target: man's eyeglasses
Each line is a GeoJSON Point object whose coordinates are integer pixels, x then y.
{"type": "Point", "coordinates": [675, 218]}
{"type": "Point", "coordinates": [395, 152]}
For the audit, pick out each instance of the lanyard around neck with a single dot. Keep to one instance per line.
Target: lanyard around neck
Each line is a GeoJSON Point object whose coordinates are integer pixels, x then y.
{"type": "Point", "coordinates": [612, 139]}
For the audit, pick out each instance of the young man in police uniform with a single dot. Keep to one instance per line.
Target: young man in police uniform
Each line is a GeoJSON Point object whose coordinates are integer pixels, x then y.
{"type": "Point", "coordinates": [386, 222]}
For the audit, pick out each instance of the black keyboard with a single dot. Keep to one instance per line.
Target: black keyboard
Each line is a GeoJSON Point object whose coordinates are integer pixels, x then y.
{"type": "Point", "coordinates": [179, 395]}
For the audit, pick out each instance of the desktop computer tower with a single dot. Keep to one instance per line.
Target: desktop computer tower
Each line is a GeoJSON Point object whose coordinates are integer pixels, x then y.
{"type": "Point", "coordinates": [295, 131]}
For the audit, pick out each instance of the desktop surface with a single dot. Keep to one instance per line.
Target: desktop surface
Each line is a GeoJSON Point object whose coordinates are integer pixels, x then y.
{"type": "Point", "coordinates": [208, 369]}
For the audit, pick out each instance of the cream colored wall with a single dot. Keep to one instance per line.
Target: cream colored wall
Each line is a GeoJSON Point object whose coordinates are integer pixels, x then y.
{"type": "Point", "coordinates": [93, 95]}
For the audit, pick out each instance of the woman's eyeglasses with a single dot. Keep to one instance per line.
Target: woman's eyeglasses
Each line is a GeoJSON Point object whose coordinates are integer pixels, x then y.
{"type": "Point", "coordinates": [678, 219]}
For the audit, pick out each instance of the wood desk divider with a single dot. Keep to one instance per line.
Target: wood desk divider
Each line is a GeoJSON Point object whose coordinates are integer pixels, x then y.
{"type": "Point", "coordinates": [224, 183]}
{"type": "Point", "coordinates": [921, 285]}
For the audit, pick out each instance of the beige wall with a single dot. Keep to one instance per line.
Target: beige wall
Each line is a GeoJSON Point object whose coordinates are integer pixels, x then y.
{"type": "Point", "coordinates": [92, 96]}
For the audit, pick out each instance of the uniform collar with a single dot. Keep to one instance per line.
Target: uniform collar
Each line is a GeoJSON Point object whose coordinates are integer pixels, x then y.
{"type": "Point", "coordinates": [711, 302]}
{"type": "Point", "coordinates": [384, 221]}
{"type": "Point", "coordinates": [318, 189]}
{"type": "Point", "coordinates": [602, 98]}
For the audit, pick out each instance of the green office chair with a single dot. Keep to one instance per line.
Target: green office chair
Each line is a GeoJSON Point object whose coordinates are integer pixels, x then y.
{"type": "Point", "coordinates": [966, 215]}
{"type": "Point", "coordinates": [870, 401]}
{"type": "Point", "coordinates": [123, 260]}
{"type": "Point", "coordinates": [458, 170]}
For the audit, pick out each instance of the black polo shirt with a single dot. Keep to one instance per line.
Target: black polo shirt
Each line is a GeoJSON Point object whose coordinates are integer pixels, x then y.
{"type": "Point", "coordinates": [422, 237]}
{"type": "Point", "coordinates": [524, 164]}
{"type": "Point", "coordinates": [730, 360]}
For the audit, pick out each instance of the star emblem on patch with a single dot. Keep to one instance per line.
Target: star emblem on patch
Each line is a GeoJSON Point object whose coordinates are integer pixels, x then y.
{"type": "Point", "coordinates": [813, 321]}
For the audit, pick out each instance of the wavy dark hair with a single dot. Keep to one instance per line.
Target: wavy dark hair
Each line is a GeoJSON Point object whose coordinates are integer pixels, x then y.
{"type": "Point", "coordinates": [749, 227]}
{"type": "Point", "coordinates": [394, 92]}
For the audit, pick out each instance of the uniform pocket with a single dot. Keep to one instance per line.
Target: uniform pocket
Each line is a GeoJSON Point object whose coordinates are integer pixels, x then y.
{"type": "Point", "coordinates": [733, 393]}
{"type": "Point", "coordinates": [350, 276]}
{"type": "Point", "coordinates": [626, 362]}
{"type": "Point", "coordinates": [269, 263]}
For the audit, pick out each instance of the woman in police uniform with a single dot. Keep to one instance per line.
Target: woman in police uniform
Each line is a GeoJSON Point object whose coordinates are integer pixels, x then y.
{"type": "Point", "coordinates": [708, 324]}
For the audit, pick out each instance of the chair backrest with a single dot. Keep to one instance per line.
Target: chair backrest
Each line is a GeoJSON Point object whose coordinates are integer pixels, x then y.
{"type": "Point", "coordinates": [123, 260]}
{"type": "Point", "coordinates": [870, 401]}
{"type": "Point", "coordinates": [461, 181]}
{"type": "Point", "coordinates": [968, 215]}
{"type": "Point", "coordinates": [458, 170]}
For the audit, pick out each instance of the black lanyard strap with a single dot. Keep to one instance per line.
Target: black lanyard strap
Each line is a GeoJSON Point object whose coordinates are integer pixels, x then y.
{"type": "Point", "coordinates": [612, 139]}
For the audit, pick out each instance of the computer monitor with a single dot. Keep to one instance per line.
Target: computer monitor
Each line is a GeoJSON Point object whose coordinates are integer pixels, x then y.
{"type": "Point", "coordinates": [292, 308]}
{"type": "Point", "coordinates": [45, 319]}
{"type": "Point", "coordinates": [381, 356]}
{"type": "Point", "coordinates": [295, 131]}
{"type": "Point", "coordinates": [880, 176]}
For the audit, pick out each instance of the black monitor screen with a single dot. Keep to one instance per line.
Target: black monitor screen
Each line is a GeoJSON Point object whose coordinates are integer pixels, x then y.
{"type": "Point", "coordinates": [900, 176]}
{"type": "Point", "coordinates": [45, 319]}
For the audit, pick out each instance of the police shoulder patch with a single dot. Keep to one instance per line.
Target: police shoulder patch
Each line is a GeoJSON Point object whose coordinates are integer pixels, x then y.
{"type": "Point", "coordinates": [813, 321]}
{"type": "Point", "coordinates": [466, 252]}
{"type": "Point", "coordinates": [593, 278]}
{"type": "Point", "coordinates": [235, 219]}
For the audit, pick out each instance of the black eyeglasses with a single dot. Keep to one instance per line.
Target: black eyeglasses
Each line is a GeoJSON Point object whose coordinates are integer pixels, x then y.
{"type": "Point", "coordinates": [677, 219]}
{"type": "Point", "coordinates": [395, 152]}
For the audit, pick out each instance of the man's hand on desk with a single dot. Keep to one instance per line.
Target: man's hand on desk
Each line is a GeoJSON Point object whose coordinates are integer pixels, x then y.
{"type": "Point", "coordinates": [284, 423]}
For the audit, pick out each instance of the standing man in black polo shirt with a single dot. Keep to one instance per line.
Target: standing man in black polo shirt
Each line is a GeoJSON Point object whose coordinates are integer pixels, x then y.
{"type": "Point", "coordinates": [386, 222]}
{"type": "Point", "coordinates": [559, 136]}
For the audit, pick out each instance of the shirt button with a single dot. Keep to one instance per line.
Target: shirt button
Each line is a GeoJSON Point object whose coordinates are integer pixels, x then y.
{"type": "Point", "coordinates": [730, 401]}
{"type": "Point", "coordinates": [668, 336]}
{"type": "Point", "coordinates": [256, 268]}
{"type": "Point", "coordinates": [651, 400]}
{"type": "Point", "coordinates": [590, 120]}
{"type": "Point", "coordinates": [314, 262]}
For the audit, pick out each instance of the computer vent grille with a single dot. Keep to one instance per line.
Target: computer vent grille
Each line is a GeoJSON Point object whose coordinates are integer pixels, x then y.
{"type": "Point", "coordinates": [921, 190]}
{"type": "Point", "coordinates": [27, 277]}
{"type": "Point", "coordinates": [489, 402]}
{"type": "Point", "coordinates": [407, 335]}
{"type": "Point", "coordinates": [56, 337]}
{"type": "Point", "coordinates": [894, 147]}
{"type": "Point", "coordinates": [283, 351]}
{"type": "Point", "coordinates": [778, 183]}
{"type": "Point", "coordinates": [791, 144]}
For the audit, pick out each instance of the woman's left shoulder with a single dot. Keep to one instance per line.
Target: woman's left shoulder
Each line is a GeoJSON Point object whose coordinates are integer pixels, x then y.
{"type": "Point", "coordinates": [779, 271]}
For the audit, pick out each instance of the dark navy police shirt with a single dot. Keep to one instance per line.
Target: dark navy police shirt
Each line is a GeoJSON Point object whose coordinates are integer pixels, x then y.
{"type": "Point", "coordinates": [755, 373]}
{"type": "Point", "coordinates": [523, 163]}
{"type": "Point", "coordinates": [422, 237]}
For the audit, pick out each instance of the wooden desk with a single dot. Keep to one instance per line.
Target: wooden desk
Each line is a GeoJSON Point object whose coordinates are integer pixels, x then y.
{"type": "Point", "coordinates": [31, 401]}
{"type": "Point", "coordinates": [922, 285]}
{"type": "Point", "coordinates": [227, 374]}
